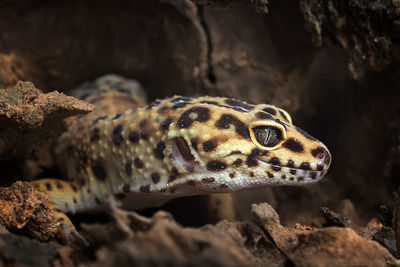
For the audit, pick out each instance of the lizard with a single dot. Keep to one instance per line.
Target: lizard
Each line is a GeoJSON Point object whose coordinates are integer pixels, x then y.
{"type": "Point", "coordinates": [174, 147]}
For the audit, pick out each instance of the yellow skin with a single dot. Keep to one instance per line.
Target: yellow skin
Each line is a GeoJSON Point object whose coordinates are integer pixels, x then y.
{"type": "Point", "coordinates": [174, 147]}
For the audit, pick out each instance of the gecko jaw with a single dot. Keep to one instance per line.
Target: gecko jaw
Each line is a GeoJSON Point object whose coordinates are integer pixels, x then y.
{"type": "Point", "coordinates": [293, 176]}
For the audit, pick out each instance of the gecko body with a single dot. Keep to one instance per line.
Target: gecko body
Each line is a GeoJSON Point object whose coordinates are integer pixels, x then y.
{"type": "Point", "coordinates": [177, 146]}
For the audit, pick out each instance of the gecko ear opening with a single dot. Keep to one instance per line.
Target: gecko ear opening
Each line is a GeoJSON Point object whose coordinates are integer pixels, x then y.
{"type": "Point", "coordinates": [183, 157]}
{"type": "Point", "coordinates": [183, 149]}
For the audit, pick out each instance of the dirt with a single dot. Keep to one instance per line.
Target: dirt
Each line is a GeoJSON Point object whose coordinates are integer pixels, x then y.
{"type": "Point", "coordinates": [333, 65]}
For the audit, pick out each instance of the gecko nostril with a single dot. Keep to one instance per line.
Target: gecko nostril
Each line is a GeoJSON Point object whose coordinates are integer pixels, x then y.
{"type": "Point", "coordinates": [320, 155]}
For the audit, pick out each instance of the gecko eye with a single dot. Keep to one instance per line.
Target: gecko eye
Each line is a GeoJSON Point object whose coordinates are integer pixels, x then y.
{"type": "Point", "coordinates": [267, 135]}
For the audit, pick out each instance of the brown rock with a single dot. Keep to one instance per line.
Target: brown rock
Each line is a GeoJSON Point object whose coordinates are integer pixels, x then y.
{"type": "Point", "coordinates": [30, 120]}
{"type": "Point", "coordinates": [23, 209]}
{"type": "Point", "coordinates": [332, 246]}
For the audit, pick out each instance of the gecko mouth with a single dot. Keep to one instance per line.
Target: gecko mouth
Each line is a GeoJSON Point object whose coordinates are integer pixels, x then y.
{"type": "Point", "coordinates": [291, 174]}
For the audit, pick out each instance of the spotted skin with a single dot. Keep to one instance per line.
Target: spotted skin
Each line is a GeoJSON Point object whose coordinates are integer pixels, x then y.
{"type": "Point", "coordinates": [173, 147]}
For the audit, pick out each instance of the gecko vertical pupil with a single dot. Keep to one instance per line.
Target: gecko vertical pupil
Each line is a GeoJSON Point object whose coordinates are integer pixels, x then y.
{"type": "Point", "coordinates": [267, 136]}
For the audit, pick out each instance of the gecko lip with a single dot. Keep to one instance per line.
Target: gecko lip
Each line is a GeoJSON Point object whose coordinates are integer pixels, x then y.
{"type": "Point", "coordinates": [295, 175]}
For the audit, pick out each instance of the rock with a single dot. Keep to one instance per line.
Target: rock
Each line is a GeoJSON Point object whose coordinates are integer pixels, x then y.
{"type": "Point", "coordinates": [396, 218]}
{"type": "Point", "coordinates": [334, 219]}
{"type": "Point", "coordinates": [30, 120]}
{"type": "Point", "coordinates": [24, 210]}
{"type": "Point", "coordinates": [368, 31]}
{"type": "Point", "coordinates": [386, 237]}
{"type": "Point", "coordinates": [331, 246]}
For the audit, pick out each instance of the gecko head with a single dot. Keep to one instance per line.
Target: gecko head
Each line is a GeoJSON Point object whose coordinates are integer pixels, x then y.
{"type": "Point", "coordinates": [230, 148]}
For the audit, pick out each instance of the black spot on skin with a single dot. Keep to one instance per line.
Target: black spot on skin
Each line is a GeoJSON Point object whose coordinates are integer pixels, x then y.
{"type": "Point", "coordinates": [195, 143]}
{"type": "Point", "coordinates": [293, 171]}
{"type": "Point", "coordinates": [128, 168]}
{"type": "Point", "coordinates": [208, 180]}
{"type": "Point", "coordinates": [191, 183]}
{"type": "Point", "coordinates": [232, 174]}
{"type": "Point", "coordinates": [216, 165]}
{"type": "Point", "coordinates": [255, 152]}
{"type": "Point", "coordinates": [74, 188]}
{"type": "Point", "coordinates": [293, 145]}
{"type": "Point", "coordinates": [291, 178]}
{"type": "Point", "coordinates": [209, 102]}
{"type": "Point", "coordinates": [165, 124]}
{"type": "Point", "coordinates": [94, 136]}
{"type": "Point", "coordinates": [97, 200]}
{"type": "Point", "coordinates": [236, 103]}
{"type": "Point", "coordinates": [251, 161]}
{"type": "Point", "coordinates": [144, 135]}
{"type": "Point", "coordinates": [98, 119]}
{"type": "Point", "coordinates": [264, 115]}
{"type": "Point", "coordinates": [49, 187]}
{"type": "Point", "coordinates": [226, 120]}
{"type": "Point", "coordinates": [171, 178]}
{"type": "Point", "coordinates": [59, 185]}
{"type": "Point", "coordinates": [313, 175]}
{"type": "Point", "coordinates": [283, 177]}
{"type": "Point", "coordinates": [251, 174]}
{"type": "Point", "coordinates": [290, 163]}
{"type": "Point", "coordinates": [175, 170]}
{"type": "Point", "coordinates": [223, 186]}
{"type": "Point", "coordinates": [180, 99]}
{"type": "Point", "coordinates": [180, 105]}
{"type": "Point", "coordinates": [159, 150]}
{"type": "Point", "coordinates": [307, 135]}
{"type": "Point", "coordinates": [138, 163]}
{"type": "Point", "coordinates": [116, 116]}
{"type": "Point", "coordinates": [116, 134]}
{"type": "Point", "coordinates": [99, 171]}
{"type": "Point", "coordinates": [300, 178]}
{"type": "Point", "coordinates": [203, 114]}
{"type": "Point", "coordinates": [305, 166]}
{"type": "Point", "coordinates": [145, 189]}
{"type": "Point", "coordinates": [235, 152]}
{"type": "Point", "coordinates": [237, 162]}
{"type": "Point", "coordinates": [275, 161]}
{"type": "Point", "coordinates": [320, 167]}
{"type": "Point", "coordinates": [142, 123]}
{"type": "Point", "coordinates": [74, 200]}
{"type": "Point", "coordinates": [133, 137]}
{"type": "Point", "coordinates": [270, 175]}
{"type": "Point", "coordinates": [210, 145]}
{"type": "Point", "coordinates": [270, 110]}
{"type": "Point", "coordinates": [162, 110]}
{"type": "Point", "coordinates": [155, 177]}
{"type": "Point", "coordinates": [283, 115]}
{"type": "Point", "coordinates": [276, 168]}
{"type": "Point", "coordinates": [153, 104]}
{"type": "Point", "coordinates": [126, 188]}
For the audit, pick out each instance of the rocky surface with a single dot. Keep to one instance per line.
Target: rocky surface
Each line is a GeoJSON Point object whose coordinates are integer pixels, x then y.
{"type": "Point", "coordinates": [29, 122]}
{"type": "Point", "coordinates": [160, 241]}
